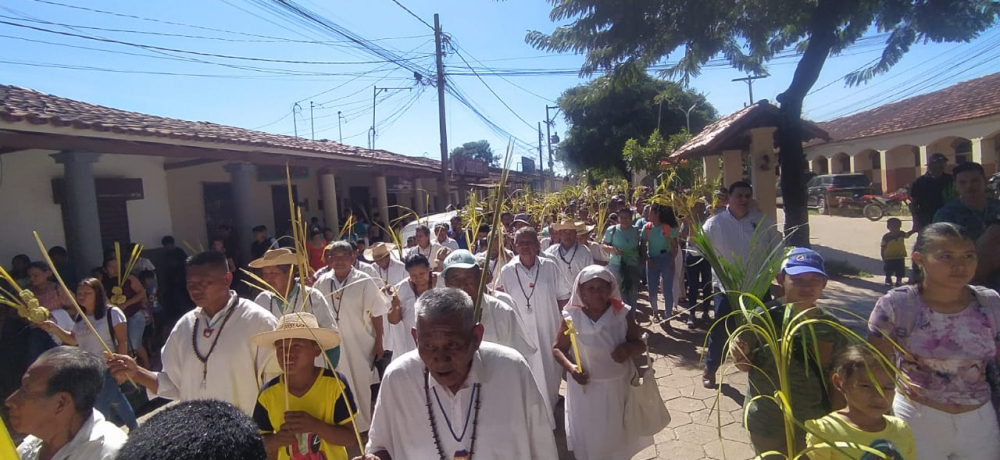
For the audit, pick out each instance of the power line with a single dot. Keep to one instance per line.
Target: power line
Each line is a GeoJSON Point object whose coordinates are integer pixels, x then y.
{"type": "Point", "coordinates": [413, 14]}
{"type": "Point", "coordinates": [178, 74]}
{"type": "Point", "coordinates": [493, 92]}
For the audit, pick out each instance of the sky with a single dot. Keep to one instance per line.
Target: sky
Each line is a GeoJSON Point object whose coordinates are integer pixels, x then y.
{"type": "Point", "coordinates": [186, 70]}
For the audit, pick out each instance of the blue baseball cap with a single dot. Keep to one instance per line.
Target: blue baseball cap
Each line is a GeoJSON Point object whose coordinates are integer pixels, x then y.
{"type": "Point", "coordinates": [803, 260]}
{"type": "Point", "coordinates": [459, 259]}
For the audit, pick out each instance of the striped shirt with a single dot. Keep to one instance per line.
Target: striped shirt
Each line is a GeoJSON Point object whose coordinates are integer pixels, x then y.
{"type": "Point", "coordinates": [738, 242]}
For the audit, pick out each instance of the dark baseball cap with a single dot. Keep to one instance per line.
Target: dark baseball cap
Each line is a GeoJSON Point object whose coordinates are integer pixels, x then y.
{"type": "Point", "coordinates": [937, 158]}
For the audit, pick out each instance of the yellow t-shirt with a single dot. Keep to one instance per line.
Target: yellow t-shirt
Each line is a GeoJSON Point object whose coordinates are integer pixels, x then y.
{"type": "Point", "coordinates": [895, 441]}
{"type": "Point", "coordinates": [895, 246]}
{"type": "Point", "coordinates": [322, 401]}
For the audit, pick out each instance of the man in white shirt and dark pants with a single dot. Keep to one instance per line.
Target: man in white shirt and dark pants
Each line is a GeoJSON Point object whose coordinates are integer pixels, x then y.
{"type": "Point", "coordinates": [452, 380]}
{"type": "Point", "coordinates": [570, 256]}
{"type": "Point", "coordinates": [740, 235]}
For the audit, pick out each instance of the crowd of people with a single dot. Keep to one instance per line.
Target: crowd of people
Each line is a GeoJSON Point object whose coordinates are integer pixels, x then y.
{"type": "Point", "coordinates": [457, 345]}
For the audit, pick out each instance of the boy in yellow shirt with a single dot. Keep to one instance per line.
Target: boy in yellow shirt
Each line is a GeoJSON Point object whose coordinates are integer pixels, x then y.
{"type": "Point", "coordinates": [308, 412]}
{"type": "Point", "coordinates": [894, 251]}
{"type": "Point", "coordinates": [863, 426]}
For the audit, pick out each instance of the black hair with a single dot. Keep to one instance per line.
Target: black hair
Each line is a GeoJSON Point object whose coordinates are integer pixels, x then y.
{"type": "Point", "coordinates": [259, 228]}
{"type": "Point", "coordinates": [484, 228]}
{"type": "Point", "coordinates": [968, 166]}
{"type": "Point", "coordinates": [934, 234]}
{"type": "Point", "coordinates": [739, 184]}
{"type": "Point", "coordinates": [314, 232]}
{"type": "Point", "coordinates": [851, 358]}
{"type": "Point", "coordinates": [214, 259]}
{"type": "Point", "coordinates": [196, 430]}
{"type": "Point", "coordinates": [893, 220]}
{"type": "Point", "coordinates": [23, 258]}
{"type": "Point", "coordinates": [77, 372]}
{"type": "Point", "coordinates": [422, 229]}
{"type": "Point", "coordinates": [146, 274]}
{"type": "Point", "coordinates": [666, 215]}
{"type": "Point", "coordinates": [58, 251]}
{"type": "Point", "coordinates": [167, 240]}
{"type": "Point", "coordinates": [40, 266]}
{"type": "Point", "coordinates": [416, 260]}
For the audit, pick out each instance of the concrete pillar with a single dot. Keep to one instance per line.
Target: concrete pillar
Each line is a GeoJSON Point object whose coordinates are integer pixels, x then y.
{"type": "Point", "coordinates": [762, 164]}
{"type": "Point", "coordinates": [984, 153]}
{"type": "Point", "coordinates": [922, 164]}
{"type": "Point", "coordinates": [732, 166]}
{"type": "Point", "coordinates": [886, 170]}
{"type": "Point", "coordinates": [420, 197]}
{"type": "Point", "coordinates": [242, 177]}
{"type": "Point", "coordinates": [328, 192]}
{"type": "Point", "coordinates": [83, 237]}
{"type": "Point", "coordinates": [382, 198]}
{"type": "Point", "coordinates": [711, 168]}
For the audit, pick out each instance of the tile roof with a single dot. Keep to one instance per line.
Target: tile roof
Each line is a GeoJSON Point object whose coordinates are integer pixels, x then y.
{"type": "Point", "coordinates": [720, 135]}
{"type": "Point", "coordinates": [965, 101]}
{"type": "Point", "coordinates": [23, 105]}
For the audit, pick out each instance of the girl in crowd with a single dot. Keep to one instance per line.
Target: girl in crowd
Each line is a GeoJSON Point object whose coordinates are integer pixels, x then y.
{"type": "Point", "coordinates": [948, 333]}
{"type": "Point", "coordinates": [659, 241]}
{"type": "Point", "coordinates": [608, 338]}
{"type": "Point", "coordinates": [622, 241]}
{"type": "Point", "coordinates": [109, 321]}
{"type": "Point", "coordinates": [402, 316]}
{"type": "Point", "coordinates": [134, 306]}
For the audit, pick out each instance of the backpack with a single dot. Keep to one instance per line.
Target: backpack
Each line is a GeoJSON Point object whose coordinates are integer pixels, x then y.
{"type": "Point", "coordinates": [988, 301]}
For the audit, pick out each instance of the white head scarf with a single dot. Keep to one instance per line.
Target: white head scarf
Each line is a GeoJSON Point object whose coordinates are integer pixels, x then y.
{"type": "Point", "coordinates": [593, 272]}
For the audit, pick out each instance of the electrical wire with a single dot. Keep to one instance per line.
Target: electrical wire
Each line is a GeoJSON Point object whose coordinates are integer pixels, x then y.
{"type": "Point", "coordinates": [413, 14]}
{"type": "Point", "coordinates": [487, 85]}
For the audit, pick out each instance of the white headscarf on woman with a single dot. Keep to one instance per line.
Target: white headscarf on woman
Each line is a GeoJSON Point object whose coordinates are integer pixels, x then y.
{"type": "Point", "coordinates": [590, 273]}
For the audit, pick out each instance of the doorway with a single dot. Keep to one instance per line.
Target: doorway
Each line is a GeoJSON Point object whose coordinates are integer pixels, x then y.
{"type": "Point", "coordinates": [282, 211]}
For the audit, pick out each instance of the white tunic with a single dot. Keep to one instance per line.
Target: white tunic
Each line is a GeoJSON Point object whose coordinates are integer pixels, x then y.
{"type": "Point", "coordinates": [366, 268]}
{"type": "Point", "coordinates": [449, 243]}
{"type": "Point", "coordinates": [97, 439]}
{"type": "Point", "coordinates": [430, 253]}
{"type": "Point", "coordinates": [536, 293]}
{"type": "Point", "coordinates": [397, 336]}
{"type": "Point", "coordinates": [570, 262]}
{"type": "Point", "coordinates": [512, 421]}
{"type": "Point", "coordinates": [234, 366]}
{"type": "Point", "coordinates": [594, 428]}
{"type": "Point", "coordinates": [360, 301]}
{"type": "Point", "coordinates": [502, 325]}
{"type": "Point", "coordinates": [395, 274]}
{"type": "Point", "coordinates": [314, 303]}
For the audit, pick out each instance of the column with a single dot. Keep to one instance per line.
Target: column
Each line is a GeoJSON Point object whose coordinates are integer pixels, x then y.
{"type": "Point", "coordinates": [328, 192]}
{"type": "Point", "coordinates": [419, 197]}
{"type": "Point", "coordinates": [242, 177]}
{"type": "Point", "coordinates": [922, 166]}
{"type": "Point", "coordinates": [711, 167]}
{"type": "Point", "coordinates": [762, 164]}
{"type": "Point", "coordinates": [984, 153]}
{"type": "Point", "coordinates": [732, 167]}
{"type": "Point", "coordinates": [382, 198]}
{"type": "Point", "coordinates": [883, 161]}
{"type": "Point", "coordinates": [83, 237]}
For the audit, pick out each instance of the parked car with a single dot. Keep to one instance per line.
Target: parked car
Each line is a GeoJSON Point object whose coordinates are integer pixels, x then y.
{"type": "Point", "coordinates": [777, 188]}
{"type": "Point", "coordinates": [830, 189]}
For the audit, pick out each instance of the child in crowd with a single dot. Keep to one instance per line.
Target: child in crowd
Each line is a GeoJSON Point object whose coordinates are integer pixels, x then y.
{"type": "Point", "coordinates": [869, 391]}
{"type": "Point", "coordinates": [308, 411]}
{"type": "Point", "coordinates": [803, 278]}
{"type": "Point", "coordinates": [894, 251]}
{"type": "Point", "coordinates": [153, 311]}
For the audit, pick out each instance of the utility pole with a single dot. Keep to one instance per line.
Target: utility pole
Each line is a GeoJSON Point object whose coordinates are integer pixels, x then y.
{"type": "Point", "coordinates": [295, 120]}
{"type": "Point", "coordinates": [339, 128]}
{"type": "Point", "coordinates": [444, 183]}
{"type": "Point", "coordinates": [749, 80]}
{"type": "Point", "coordinates": [312, 121]}
{"type": "Point", "coordinates": [540, 148]}
{"type": "Point", "coordinates": [548, 133]}
{"type": "Point", "coordinates": [687, 114]}
{"type": "Point", "coordinates": [372, 131]}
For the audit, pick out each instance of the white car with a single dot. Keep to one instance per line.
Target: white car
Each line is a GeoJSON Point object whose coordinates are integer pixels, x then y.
{"type": "Point", "coordinates": [430, 221]}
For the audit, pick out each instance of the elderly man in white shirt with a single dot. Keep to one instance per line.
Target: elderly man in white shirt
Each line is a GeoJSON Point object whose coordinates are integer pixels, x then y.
{"type": "Point", "coordinates": [570, 256]}
{"type": "Point", "coordinates": [389, 270]}
{"type": "Point", "coordinates": [209, 355]}
{"type": "Point", "coordinates": [441, 232]}
{"type": "Point", "coordinates": [359, 308]}
{"type": "Point", "coordinates": [539, 293]}
{"type": "Point", "coordinates": [454, 379]}
{"type": "Point", "coordinates": [742, 236]}
{"type": "Point", "coordinates": [55, 408]}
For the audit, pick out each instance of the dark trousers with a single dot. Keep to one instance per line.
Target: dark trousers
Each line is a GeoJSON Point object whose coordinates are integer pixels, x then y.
{"type": "Point", "coordinates": [699, 279]}
{"type": "Point", "coordinates": [894, 267]}
{"type": "Point", "coordinates": [719, 333]}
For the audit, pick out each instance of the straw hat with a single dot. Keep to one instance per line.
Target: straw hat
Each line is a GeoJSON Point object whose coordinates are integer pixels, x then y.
{"type": "Point", "coordinates": [379, 250]}
{"type": "Point", "coordinates": [275, 257]}
{"type": "Point", "coordinates": [567, 224]}
{"type": "Point", "coordinates": [584, 229]}
{"type": "Point", "coordinates": [298, 326]}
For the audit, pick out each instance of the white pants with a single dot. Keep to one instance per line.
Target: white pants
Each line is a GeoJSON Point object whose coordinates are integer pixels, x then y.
{"type": "Point", "coordinates": [973, 435]}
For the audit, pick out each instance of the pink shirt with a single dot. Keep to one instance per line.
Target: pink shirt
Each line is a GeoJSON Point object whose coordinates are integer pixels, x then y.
{"type": "Point", "coordinates": [947, 353]}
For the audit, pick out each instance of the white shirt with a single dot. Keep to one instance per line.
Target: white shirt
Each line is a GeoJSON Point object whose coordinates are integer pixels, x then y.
{"type": "Point", "coordinates": [448, 243]}
{"type": "Point", "coordinates": [355, 301]}
{"type": "Point", "coordinates": [512, 421]}
{"type": "Point", "coordinates": [314, 303]}
{"type": "Point", "coordinates": [537, 293]}
{"type": "Point", "coordinates": [430, 253]}
{"type": "Point", "coordinates": [502, 325]}
{"type": "Point", "coordinates": [63, 320]}
{"type": "Point", "coordinates": [232, 371]}
{"type": "Point", "coordinates": [366, 268]}
{"type": "Point", "coordinates": [597, 252]}
{"type": "Point", "coordinates": [570, 262]}
{"type": "Point", "coordinates": [86, 339]}
{"type": "Point", "coordinates": [735, 241]}
{"type": "Point", "coordinates": [397, 336]}
{"type": "Point", "coordinates": [395, 274]}
{"type": "Point", "coordinates": [97, 440]}
{"type": "Point", "coordinates": [142, 264]}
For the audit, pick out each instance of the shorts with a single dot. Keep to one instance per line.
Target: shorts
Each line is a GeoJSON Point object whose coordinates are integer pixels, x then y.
{"type": "Point", "coordinates": [894, 267]}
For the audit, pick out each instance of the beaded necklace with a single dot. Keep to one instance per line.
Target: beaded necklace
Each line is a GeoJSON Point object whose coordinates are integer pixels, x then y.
{"type": "Point", "coordinates": [335, 287]}
{"type": "Point", "coordinates": [562, 256]}
{"type": "Point", "coordinates": [194, 339]}
{"type": "Point", "coordinates": [477, 391]}
{"type": "Point", "coordinates": [531, 285]}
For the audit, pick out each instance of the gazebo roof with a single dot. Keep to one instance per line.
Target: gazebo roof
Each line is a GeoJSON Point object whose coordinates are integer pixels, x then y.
{"type": "Point", "coordinates": [732, 131]}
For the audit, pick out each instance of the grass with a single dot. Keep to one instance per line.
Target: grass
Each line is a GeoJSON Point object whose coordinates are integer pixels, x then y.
{"type": "Point", "coordinates": [842, 269]}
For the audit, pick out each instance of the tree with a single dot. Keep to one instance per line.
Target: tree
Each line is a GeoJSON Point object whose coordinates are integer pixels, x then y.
{"type": "Point", "coordinates": [654, 157]}
{"type": "Point", "coordinates": [605, 113]}
{"type": "Point", "coordinates": [479, 150]}
{"type": "Point", "coordinates": [626, 38]}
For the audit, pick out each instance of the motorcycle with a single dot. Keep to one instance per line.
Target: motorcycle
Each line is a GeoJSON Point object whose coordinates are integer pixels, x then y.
{"type": "Point", "coordinates": [877, 206]}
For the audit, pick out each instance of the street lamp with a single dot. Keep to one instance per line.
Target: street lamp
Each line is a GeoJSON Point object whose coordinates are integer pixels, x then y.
{"type": "Point", "coordinates": [687, 115]}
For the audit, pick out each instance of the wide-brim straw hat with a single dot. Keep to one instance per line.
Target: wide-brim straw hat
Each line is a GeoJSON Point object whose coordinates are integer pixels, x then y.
{"type": "Point", "coordinates": [298, 325]}
{"type": "Point", "coordinates": [566, 225]}
{"type": "Point", "coordinates": [584, 229]}
{"type": "Point", "coordinates": [379, 250]}
{"type": "Point", "coordinates": [275, 257]}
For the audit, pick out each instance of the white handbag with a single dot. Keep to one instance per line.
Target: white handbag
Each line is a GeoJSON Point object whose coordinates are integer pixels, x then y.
{"type": "Point", "coordinates": [645, 412]}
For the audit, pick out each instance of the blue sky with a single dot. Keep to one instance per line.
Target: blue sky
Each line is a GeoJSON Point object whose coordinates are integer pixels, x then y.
{"type": "Point", "coordinates": [487, 31]}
